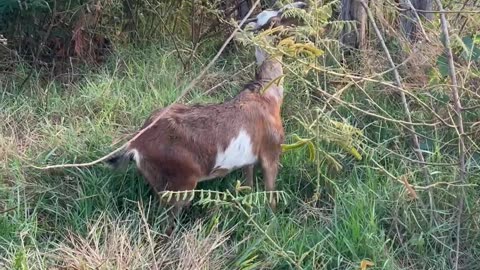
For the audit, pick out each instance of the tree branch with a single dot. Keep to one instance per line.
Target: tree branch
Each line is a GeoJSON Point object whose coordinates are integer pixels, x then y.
{"type": "Point", "coordinates": [459, 126]}
{"type": "Point", "coordinates": [398, 82]}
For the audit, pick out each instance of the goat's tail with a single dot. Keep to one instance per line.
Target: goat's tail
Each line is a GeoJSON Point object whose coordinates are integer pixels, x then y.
{"type": "Point", "coordinates": [120, 160]}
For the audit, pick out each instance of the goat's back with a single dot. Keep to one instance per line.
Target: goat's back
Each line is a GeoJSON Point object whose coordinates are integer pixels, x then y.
{"type": "Point", "coordinates": [196, 134]}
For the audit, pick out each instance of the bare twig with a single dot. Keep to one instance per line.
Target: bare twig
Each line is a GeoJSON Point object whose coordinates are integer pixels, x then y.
{"type": "Point", "coordinates": [462, 8]}
{"type": "Point", "coordinates": [421, 188]}
{"type": "Point", "coordinates": [459, 125]}
{"type": "Point", "coordinates": [451, 11]}
{"type": "Point", "coordinates": [441, 12]}
{"type": "Point", "coordinates": [7, 210]}
{"type": "Point", "coordinates": [184, 92]}
{"type": "Point", "coordinates": [348, 104]}
{"type": "Point", "coordinates": [398, 81]}
{"type": "Point", "coordinates": [370, 79]}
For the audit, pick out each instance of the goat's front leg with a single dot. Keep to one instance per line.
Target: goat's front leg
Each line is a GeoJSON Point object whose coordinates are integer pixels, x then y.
{"type": "Point", "coordinates": [248, 171]}
{"type": "Point", "coordinates": [270, 171]}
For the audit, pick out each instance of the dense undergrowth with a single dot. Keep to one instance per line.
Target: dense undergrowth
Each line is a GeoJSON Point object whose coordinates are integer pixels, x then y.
{"type": "Point", "coordinates": [340, 209]}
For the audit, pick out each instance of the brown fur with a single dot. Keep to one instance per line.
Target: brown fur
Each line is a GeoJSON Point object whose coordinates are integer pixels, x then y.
{"type": "Point", "coordinates": [181, 148]}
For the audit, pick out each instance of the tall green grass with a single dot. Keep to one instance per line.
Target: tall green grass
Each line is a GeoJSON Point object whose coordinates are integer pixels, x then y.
{"type": "Point", "coordinates": [93, 217]}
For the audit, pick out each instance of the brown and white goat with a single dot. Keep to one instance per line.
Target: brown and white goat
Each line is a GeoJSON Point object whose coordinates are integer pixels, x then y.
{"type": "Point", "coordinates": [189, 144]}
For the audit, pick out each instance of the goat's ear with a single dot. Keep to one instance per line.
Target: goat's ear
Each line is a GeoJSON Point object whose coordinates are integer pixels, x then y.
{"type": "Point", "coordinates": [264, 17]}
{"type": "Point", "coordinates": [260, 55]}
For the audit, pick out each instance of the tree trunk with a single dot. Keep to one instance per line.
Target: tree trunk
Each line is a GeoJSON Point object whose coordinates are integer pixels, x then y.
{"type": "Point", "coordinates": [352, 10]}
{"type": "Point", "coordinates": [426, 5]}
{"type": "Point", "coordinates": [243, 6]}
{"type": "Point", "coordinates": [129, 25]}
{"type": "Point", "coordinates": [409, 23]}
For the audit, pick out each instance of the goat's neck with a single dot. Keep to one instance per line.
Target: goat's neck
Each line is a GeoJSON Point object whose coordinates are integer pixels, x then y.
{"type": "Point", "coordinates": [270, 73]}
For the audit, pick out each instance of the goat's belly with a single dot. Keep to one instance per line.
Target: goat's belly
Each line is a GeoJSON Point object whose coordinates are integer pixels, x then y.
{"type": "Point", "coordinates": [239, 153]}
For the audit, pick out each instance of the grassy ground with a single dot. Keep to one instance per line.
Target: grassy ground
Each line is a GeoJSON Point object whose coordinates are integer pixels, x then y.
{"type": "Point", "coordinates": [89, 218]}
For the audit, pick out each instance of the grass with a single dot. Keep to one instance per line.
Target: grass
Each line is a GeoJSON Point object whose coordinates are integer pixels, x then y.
{"type": "Point", "coordinates": [96, 218]}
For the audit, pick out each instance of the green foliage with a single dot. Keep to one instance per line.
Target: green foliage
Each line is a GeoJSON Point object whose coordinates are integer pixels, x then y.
{"type": "Point", "coordinates": [470, 47]}
{"type": "Point", "coordinates": [210, 198]}
{"type": "Point", "coordinates": [343, 117]}
{"type": "Point", "coordinates": [20, 261]}
{"type": "Point", "coordinates": [467, 48]}
{"type": "Point", "coordinates": [300, 143]}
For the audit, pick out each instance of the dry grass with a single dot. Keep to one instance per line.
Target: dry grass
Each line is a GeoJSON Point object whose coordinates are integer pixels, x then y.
{"type": "Point", "coordinates": [422, 58]}
{"type": "Point", "coordinates": [130, 244]}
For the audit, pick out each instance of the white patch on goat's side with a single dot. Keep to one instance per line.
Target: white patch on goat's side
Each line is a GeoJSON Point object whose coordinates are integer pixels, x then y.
{"type": "Point", "coordinates": [237, 154]}
{"type": "Point", "coordinates": [136, 156]}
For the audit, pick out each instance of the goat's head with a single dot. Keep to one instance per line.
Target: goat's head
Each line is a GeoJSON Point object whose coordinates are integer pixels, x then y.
{"type": "Point", "coordinates": [270, 67]}
{"type": "Point", "coordinates": [273, 18]}
{"type": "Point", "coordinates": [269, 73]}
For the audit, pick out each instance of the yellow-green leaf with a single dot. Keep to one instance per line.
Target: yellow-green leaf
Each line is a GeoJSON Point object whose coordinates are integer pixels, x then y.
{"type": "Point", "coordinates": [365, 263]}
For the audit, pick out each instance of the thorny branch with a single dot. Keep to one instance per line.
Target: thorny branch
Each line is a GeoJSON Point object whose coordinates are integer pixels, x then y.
{"type": "Point", "coordinates": [370, 79]}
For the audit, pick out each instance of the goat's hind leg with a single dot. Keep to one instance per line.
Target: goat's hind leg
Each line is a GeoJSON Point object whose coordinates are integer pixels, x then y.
{"type": "Point", "coordinates": [248, 172]}
{"type": "Point", "coordinates": [160, 184]}
{"type": "Point", "coordinates": [179, 199]}
{"type": "Point", "coordinates": [173, 213]}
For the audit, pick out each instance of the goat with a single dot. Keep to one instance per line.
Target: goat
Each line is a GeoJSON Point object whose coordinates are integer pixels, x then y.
{"type": "Point", "coordinates": [271, 18]}
{"type": "Point", "coordinates": [190, 144]}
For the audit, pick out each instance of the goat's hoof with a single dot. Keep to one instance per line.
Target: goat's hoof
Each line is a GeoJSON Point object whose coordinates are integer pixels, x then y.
{"type": "Point", "coordinates": [273, 205]}
{"type": "Point", "coordinates": [169, 230]}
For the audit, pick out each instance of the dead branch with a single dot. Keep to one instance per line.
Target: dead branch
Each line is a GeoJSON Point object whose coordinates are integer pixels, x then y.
{"type": "Point", "coordinates": [350, 105]}
{"type": "Point", "coordinates": [421, 188]}
{"type": "Point", "coordinates": [457, 106]}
